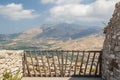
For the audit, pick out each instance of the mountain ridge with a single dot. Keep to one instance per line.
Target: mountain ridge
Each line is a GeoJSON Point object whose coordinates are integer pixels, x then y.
{"type": "Point", "coordinates": [52, 36]}
{"type": "Point", "coordinates": [62, 31]}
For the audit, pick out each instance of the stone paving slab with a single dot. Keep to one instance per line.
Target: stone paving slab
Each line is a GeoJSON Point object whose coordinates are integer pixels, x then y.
{"type": "Point", "coordinates": [59, 78]}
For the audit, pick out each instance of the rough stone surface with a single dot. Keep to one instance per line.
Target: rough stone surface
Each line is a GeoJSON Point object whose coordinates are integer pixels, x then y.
{"type": "Point", "coordinates": [111, 49]}
{"type": "Point", "coordinates": [60, 78]}
{"type": "Point", "coordinates": [10, 60]}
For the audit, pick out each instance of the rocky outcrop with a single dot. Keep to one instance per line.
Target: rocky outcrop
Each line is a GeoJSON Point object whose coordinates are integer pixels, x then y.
{"type": "Point", "coordinates": [111, 49]}
{"type": "Point", "coordinates": [10, 60]}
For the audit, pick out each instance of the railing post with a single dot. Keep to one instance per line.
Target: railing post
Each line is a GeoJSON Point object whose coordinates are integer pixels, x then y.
{"type": "Point", "coordinates": [26, 63]}
{"type": "Point", "coordinates": [92, 63]}
{"type": "Point", "coordinates": [23, 63]}
{"type": "Point", "coordinates": [81, 62]}
{"type": "Point", "coordinates": [71, 63]}
{"type": "Point", "coordinates": [38, 66]}
{"type": "Point", "coordinates": [87, 63]}
{"type": "Point", "coordinates": [62, 64]}
{"type": "Point", "coordinates": [101, 63]}
{"type": "Point", "coordinates": [76, 62]}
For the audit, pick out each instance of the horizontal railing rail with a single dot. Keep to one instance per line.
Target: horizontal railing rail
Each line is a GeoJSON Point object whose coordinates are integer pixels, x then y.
{"type": "Point", "coordinates": [62, 63]}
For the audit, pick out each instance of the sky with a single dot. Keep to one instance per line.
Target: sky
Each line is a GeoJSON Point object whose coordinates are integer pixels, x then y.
{"type": "Point", "coordinates": [19, 15]}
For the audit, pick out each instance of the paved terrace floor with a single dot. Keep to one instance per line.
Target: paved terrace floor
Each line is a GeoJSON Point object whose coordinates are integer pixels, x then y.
{"type": "Point", "coordinates": [60, 78]}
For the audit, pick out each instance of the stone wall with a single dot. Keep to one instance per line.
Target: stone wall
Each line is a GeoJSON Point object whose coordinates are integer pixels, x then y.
{"type": "Point", "coordinates": [111, 49]}
{"type": "Point", "coordinates": [10, 60]}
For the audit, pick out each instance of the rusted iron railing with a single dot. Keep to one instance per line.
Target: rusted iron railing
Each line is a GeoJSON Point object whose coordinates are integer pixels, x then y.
{"type": "Point", "coordinates": [49, 63]}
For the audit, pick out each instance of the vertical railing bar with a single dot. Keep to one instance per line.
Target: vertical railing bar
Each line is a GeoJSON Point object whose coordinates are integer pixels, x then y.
{"type": "Point", "coordinates": [43, 63]}
{"type": "Point", "coordinates": [76, 62]}
{"type": "Point", "coordinates": [97, 65]}
{"type": "Point", "coordinates": [92, 63]}
{"type": "Point", "coordinates": [32, 64]}
{"type": "Point", "coordinates": [38, 63]}
{"type": "Point", "coordinates": [87, 63]}
{"type": "Point", "coordinates": [59, 63]}
{"type": "Point", "coordinates": [81, 62]}
{"type": "Point", "coordinates": [100, 63]}
{"type": "Point", "coordinates": [71, 62]}
{"type": "Point", "coordinates": [48, 63]}
{"type": "Point", "coordinates": [54, 63]}
{"type": "Point", "coordinates": [23, 63]}
{"type": "Point", "coordinates": [66, 62]}
{"type": "Point", "coordinates": [29, 74]}
{"type": "Point", "coordinates": [62, 64]}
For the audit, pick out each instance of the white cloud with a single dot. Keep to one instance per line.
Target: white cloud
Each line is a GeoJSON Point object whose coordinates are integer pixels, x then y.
{"type": "Point", "coordinates": [100, 10]}
{"type": "Point", "coordinates": [16, 12]}
{"type": "Point", "coordinates": [61, 2]}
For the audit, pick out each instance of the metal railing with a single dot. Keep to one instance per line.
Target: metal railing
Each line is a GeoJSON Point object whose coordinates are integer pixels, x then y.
{"type": "Point", "coordinates": [60, 63]}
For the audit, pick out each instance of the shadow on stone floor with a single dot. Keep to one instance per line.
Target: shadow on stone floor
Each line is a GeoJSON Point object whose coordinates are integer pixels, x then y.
{"type": "Point", "coordinates": [84, 78]}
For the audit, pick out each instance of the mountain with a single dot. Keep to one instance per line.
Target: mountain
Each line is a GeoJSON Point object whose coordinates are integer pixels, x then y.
{"type": "Point", "coordinates": [29, 34]}
{"type": "Point", "coordinates": [65, 31]}
{"type": "Point", "coordinates": [51, 36]}
{"type": "Point", "coordinates": [62, 31]}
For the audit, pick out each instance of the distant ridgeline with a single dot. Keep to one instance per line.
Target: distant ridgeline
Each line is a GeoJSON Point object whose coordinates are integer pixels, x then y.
{"type": "Point", "coordinates": [50, 37]}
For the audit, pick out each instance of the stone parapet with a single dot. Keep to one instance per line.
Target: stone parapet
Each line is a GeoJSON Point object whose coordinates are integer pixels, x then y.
{"type": "Point", "coordinates": [111, 48]}
{"type": "Point", "coordinates": [10, 60]}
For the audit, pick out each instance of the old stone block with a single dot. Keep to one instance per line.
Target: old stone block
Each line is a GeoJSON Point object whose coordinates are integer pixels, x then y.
{"type": "Point", "coordinates": [117, 48]}
{"type": "Point", "coordinates": [112, 78]}
{"type": "Point", "coordinates": [112, 56]}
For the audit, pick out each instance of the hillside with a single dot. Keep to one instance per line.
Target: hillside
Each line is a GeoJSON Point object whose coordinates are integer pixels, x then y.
{"type": "Point", "coordinates": [29, 34]}
{"type": "Point", "coordinates": [55, 36]}
{"type": "Point", "coordinates": [92, 42]}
